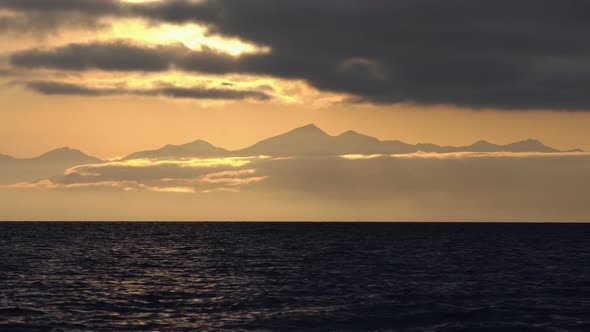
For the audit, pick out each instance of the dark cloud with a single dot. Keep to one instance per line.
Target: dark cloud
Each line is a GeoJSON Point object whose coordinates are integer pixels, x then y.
{"type": "Point", "coordinates": [529, 54]}
{"type": "Point", "coordinates": [118, 56]}
{"type": "Point", "coordinates": [58, 88]}
{"type": "Point", "coordinates": [502, 54]}
{"type": "Point", "coordinates": [125, 56]}
{"type": "Point", "coordinates": [45, 17]}
{"type": "Point", "coordinates": [90, 6]}
{"type": "Point", "coordinates": [46, 23]}
{"type": "Point", "coordinates": [207, 93]}
{"type": "Point", "coordinates": [5, 72]}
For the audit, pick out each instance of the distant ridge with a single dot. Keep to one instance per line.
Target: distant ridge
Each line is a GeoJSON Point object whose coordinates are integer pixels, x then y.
{"type": "Point", "coordinates": [304, 140]}
{"type": "Point", "coordinates": [530, 145]}
{"type": "Point", "coordinates": [310, 140]}
{"type": "Point", "coordinates": [198, 148]}
{"type": "Point", "coordinates": [47, 165]}
{"type": "Point", "coordinates": [66, 155]}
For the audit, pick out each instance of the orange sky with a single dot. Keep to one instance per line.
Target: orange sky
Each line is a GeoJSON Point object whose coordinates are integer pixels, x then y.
{"type": "Point", "coordinates": [115, 126]}
{"type": "Point", "coordinates": [111, 79]}
{"type": "Point", "coordinates": [111, 126]}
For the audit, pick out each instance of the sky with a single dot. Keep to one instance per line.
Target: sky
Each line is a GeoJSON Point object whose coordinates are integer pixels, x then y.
{"type": "Point", "coordinates": [112, 77]}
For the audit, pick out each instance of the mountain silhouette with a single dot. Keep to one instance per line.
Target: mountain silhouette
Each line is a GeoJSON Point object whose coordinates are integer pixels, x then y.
{"type": "Point", "coordinates": [63, 155]}
{"type": "Point", "coordinates": [360, 143]}
{"type": "Point", "coordinates": [303, 141]}
{"type": "Point", "coordinates": [530, 145]}
{"type": "Point", "coordinates": [197, 148]}
{"type": "Point", "coordinates": [66, 155]}
{"type": "Point", "coordinates": [300, 141]}
{"type": "Point", "coordinates": [50, 164]}
{"type": "Point", "coordinates": [310, 140]}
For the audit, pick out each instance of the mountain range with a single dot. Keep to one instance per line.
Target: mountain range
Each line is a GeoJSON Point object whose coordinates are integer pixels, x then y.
{"type": "Point", "coordinates": [13, 170]}
{"type": "Point", "coordinates": [312, 141]}
{"type": "Point", "coordinates": [304, 141]}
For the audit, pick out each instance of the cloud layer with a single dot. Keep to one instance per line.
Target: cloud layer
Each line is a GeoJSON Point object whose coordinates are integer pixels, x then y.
{"type": "Point", "coordinates": [175, 175]}
{"type": "Point", "coordinates": [530, 54]}
{"type": "Point", "coordinates": [57, 88]}
{"type": "Point", "coordinates": [458, 186]}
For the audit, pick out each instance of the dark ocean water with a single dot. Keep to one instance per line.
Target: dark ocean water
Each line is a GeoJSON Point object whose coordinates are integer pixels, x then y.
{"type": "Point", "coordinates": [328, 277]}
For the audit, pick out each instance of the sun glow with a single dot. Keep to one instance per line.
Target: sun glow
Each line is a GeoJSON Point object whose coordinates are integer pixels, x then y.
{"type": "Point", "coordinates": [182, 163]}
{"type": "Point", "coordinates": [191, 35]}
{"type": "Point", "coordinates": [141, 31]}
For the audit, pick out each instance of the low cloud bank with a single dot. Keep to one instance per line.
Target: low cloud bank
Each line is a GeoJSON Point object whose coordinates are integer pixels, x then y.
{"type": "Point", "coordinates": [473, 186]}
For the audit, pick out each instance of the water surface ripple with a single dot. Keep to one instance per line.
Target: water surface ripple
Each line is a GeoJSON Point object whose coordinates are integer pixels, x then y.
{"type": "Point", "coordinates": [296, 276]}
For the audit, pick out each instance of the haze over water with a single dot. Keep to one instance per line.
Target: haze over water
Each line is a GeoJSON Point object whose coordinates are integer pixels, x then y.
{"type": "Point", "coordinates": [296, 276]}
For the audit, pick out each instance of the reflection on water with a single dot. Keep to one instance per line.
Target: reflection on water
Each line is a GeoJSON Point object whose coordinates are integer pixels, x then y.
{"type": "Point", "coordinates": [158, 276]}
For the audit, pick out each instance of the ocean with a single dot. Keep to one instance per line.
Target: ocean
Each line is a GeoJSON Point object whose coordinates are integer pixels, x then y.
{"type": "Point", "coordinates": [294, 277]}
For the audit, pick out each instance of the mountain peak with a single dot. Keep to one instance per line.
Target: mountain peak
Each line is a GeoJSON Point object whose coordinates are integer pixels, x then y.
{"type": "Point", "coordinates": [194, 144]}
{"type": "Point", "coordinates": [198, 142]}
{"type": "Point", "coordinates": [532, 145]}
{"type": "Point", "coordinates": [5, 157]}
{"type": "Point", "coordinates": [67, 154]}
{"type": "Point", "coordinates": [309, 129]}
{"type": "Point", "coordinates": [309, 126]}
{"type": "Point", "coordinates": [63, 149]}
{"type": "Point", "coordinates": [353, 135]}
{"type": "Point", "coordinates": [530, 141]}
{"type": "Point", "coordinates": [306, 140]}
{"type": "Point", "coordinates": [194, 149]}
{"type": "Point", "coordinates": [350, 133]}
{"type": "Point", "coordinates": [66, 150]}
{"type": "Point", "coordinates": [534, 141]}
{"type": "Point", "coordinates": [482, 142]}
